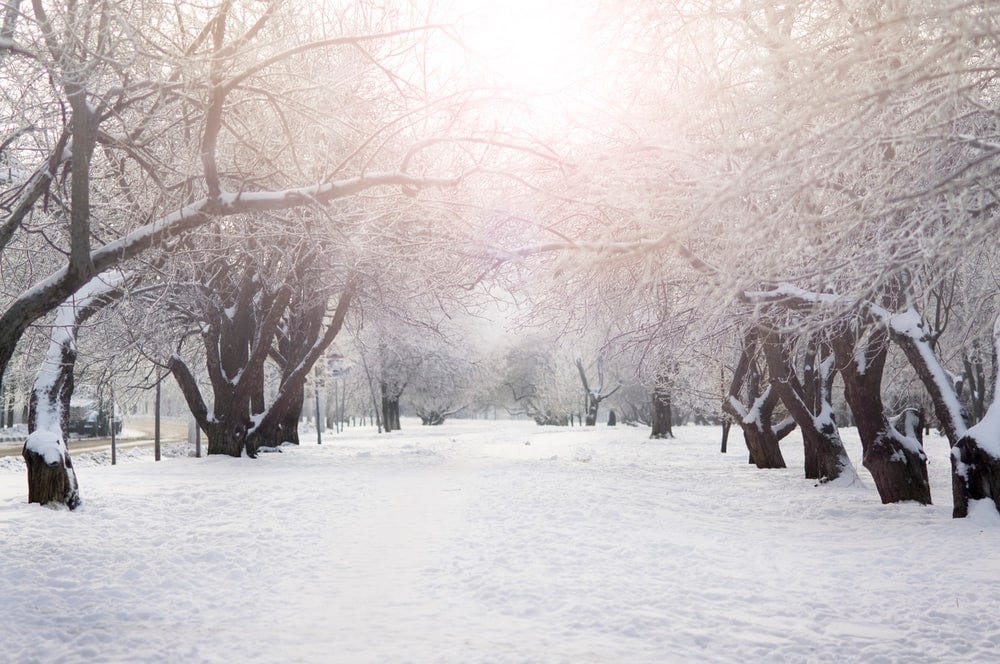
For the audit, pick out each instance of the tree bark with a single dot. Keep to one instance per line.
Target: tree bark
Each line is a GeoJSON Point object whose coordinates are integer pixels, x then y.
{"type": "Point", "coordinates": [662, 412]}
{"type": "Point", "coordinates": [974, 457]}
{"type": "Point", "coordinates": [390, 408]}
{"type": "Point", "coordinates": [592, 405]}
{"type": "Point", "coordinates": [286, 426]}
{"type": "Point", "coordinates": [896, 462]}
{"type": "Point", "coordinates": [593, 397]}
{"type": "Point", "coordinates": [51, 477]}
{"type": "Point", "coordinates": [809, 405]}
{"type": "Point", "coordinates": [755, 419]}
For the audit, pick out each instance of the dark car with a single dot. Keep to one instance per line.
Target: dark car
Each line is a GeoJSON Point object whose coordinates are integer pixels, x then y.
{"type": "Point", "coordinates": [89, 419]}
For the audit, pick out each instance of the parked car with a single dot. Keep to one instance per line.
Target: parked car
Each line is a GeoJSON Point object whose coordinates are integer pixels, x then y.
{"type": "Point", "coordinates": [89, 418]}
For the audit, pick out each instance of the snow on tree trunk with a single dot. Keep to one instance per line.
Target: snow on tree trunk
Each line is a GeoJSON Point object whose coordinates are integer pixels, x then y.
{"type": "Point", "coordinates": [975, 452]}
{"type": "Point", "coordinates": [975, 457]}
{"type": "Point", "coordinates": [593, 396]}
{"type": "Point", "coordinates": [51, 477]}
{"type": "Point", "coordinates": [760, 435]}
{"type": "Point", "coordinates": [808, 402]}
{"type": "Point", "coordinates": [896, 461]}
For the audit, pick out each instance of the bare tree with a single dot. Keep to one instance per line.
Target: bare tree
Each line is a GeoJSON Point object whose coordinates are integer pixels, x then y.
{"type": "Point", "coordinates": [595, 394]}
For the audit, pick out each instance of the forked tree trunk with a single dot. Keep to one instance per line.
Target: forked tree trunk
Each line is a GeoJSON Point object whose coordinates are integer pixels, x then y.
{"type": "Point", "coordinates": [593, 396]}
{"type": "Point", "coordinates": [896, 461]}
{"type": "Point", "coordinates": [808, 402]}
{"type": "Point", "coordinates": [237, 340]}
{"type": "Point", "coordinates": [762, 444]}
{"type": "Point", "coordinates": [755, 419]}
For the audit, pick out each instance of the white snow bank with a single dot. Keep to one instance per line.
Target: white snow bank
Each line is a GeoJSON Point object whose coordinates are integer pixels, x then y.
{"type": "Point", "coordinates": [983, 513]}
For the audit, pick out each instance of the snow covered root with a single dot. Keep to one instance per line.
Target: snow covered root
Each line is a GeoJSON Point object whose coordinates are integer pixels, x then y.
{"type": "Point", "coordinates": [51, 478]}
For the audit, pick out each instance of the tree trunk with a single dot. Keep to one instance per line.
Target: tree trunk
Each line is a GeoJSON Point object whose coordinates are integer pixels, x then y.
{"type": "Point", "coordinates": [592, 405]}
{"type": "Point", "coordinates": [896, 462]}
{"type": "Point", "coordinates": [51, 479]}
{"type": "Point", "coordinates": [811, 465]}
{"type": "Point", "coordinates": [285, 426]}
{"type": "Point", "coordinates": [762, 443]}
{"type": "Point", "coordinates": [759, 434]}
{"type": "Point", "coordinates": [390, 408]}
{"type": "Point", "coordinates": [975, 474]}
{"type": "Point", "coordinates": [662, 415]}
{"type": "Point", "coordinates": [808, 402]}
{"type": "Point", "coordinates": [975, 464]}
{"type": "Point", "coordinates": [227, 439]}
{"type": "Point", "coordinates": [51, 476]}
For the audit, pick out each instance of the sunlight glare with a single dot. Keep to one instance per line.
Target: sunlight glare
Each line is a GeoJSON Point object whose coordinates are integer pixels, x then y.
{"type": "Point", "coordinates": [532, 47]}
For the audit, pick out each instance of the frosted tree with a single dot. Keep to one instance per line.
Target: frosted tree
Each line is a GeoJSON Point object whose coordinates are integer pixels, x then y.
{"type": "Point", "coordinates": [157, 139]}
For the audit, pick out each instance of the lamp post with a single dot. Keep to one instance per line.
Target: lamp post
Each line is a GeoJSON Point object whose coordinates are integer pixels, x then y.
{"type": "Point", "coordinates": [156, 424]}
{"type": "Point", "coordinates": [114, 451]}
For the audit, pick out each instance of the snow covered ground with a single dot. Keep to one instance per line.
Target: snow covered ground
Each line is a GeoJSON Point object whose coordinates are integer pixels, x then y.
{"type": "Point", "coordinates": [464, 543]}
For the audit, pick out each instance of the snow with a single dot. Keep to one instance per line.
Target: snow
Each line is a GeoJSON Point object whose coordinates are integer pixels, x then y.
{"type": "Point", "coordinates": [47, 444]}
{"type": "Point", "coordinates": [740, 410]}
{"type": "Point", "coordinates": [786, 290]}
{"type": "Point", "coordinates": [986, 432]}
{"type": "Point", "coordinates": [461, 543]}
{"type": "Point", "coordinates": [908, 323]}
{"type": "Point", "coordinates": [63, 336]}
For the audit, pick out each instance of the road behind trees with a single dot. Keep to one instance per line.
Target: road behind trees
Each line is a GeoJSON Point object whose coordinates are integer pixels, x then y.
{"type": "Point", "coordinates": [137, 432]}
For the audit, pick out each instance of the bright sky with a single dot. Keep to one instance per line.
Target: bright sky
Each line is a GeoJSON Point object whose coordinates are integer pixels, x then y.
{"type": "Point", "coordinates": [533, 46]}
{"type": "Point", "coordinates": [542, 51]}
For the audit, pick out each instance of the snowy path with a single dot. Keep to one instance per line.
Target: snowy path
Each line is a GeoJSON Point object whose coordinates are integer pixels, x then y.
{"type": "Point", "coordinates": [461, 543]}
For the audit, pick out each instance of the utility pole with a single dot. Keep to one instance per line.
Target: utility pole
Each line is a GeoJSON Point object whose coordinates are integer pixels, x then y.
{"type": "Point", "coordinates": [343, 401]}
{"type": "Point", "coordinates": [336, 404]}
{"type": "Point", "coordinates": [114, 456]}
{"type": "Point", "coordinates": [319, 415]}
{"type": "Point", "coordinates": [156, 424]}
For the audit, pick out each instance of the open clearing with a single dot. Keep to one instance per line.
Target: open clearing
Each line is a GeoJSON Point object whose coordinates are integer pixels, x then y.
{"type": "Point", "coordinates": [465, 543]}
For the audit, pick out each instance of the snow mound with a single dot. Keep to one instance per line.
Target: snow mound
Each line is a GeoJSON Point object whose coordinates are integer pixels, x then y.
{"type": "Point", "coordinates": [983, 513]}
{"type": "Point", "coordinates": [46, 444]}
